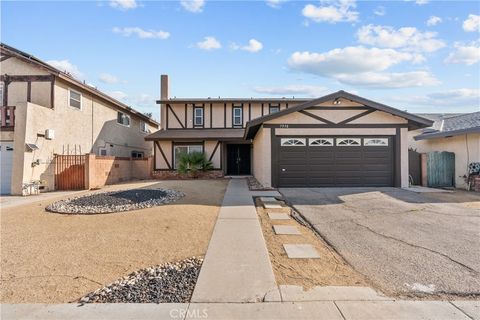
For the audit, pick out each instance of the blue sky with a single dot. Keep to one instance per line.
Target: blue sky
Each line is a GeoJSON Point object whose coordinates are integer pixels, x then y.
{"type": "Point", "coordinates": [420, 56]}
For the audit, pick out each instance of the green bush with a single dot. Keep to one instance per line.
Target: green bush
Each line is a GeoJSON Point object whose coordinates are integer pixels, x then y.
{"type": "Point", "coordinates": [193, 163]}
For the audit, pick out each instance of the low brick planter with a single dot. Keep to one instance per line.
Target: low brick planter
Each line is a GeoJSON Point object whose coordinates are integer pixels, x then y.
{"type": "Point", "coordinates": [175, 175]}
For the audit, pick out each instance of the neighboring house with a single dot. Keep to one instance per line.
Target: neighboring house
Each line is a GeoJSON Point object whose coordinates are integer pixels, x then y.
{"type": "Point", "coordinates": [45, 111]}
{"type": "Point", "coordinates": [457, 133]}
{"type": "Point", "coordinates": [337, 140]}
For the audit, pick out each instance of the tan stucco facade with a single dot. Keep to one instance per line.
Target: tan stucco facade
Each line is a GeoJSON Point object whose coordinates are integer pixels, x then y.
{"type": "Point", "coordinates": [85, 130]}
{"type": "Point", "coordinates": [466, 148]}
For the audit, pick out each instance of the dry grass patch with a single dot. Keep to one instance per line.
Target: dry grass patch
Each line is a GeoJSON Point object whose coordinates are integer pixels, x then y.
{"type": "Point", "coordinates": [329, 270]}
{"type": "Point", "coordinates": [52, 258]}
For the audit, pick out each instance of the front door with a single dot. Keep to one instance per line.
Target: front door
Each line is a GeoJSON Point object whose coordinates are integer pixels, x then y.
{"type": "Point", "coordinates": [238, 159]}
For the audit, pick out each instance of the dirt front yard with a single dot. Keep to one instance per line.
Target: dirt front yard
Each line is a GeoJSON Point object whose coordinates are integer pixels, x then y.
{"type": "Point", "coordinates": [54, 258]}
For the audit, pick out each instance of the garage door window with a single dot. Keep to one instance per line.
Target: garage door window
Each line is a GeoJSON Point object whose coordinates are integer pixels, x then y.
{"type": "Point", "coordinates": [377, 142]}
{"type": "Point", "coordinates": [295, 142]}
{"type": "Point", "coordinates": [321, 142]}
{"type": "Point", "coordinates": [349, 142]}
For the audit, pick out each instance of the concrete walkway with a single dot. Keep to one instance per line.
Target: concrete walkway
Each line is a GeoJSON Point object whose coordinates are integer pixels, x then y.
{"type": "Point", "coordinates": [237, 266]}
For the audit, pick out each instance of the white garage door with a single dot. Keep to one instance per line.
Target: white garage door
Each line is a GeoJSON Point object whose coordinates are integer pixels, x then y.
{"type": "Point", "coordinates": [6, 162]}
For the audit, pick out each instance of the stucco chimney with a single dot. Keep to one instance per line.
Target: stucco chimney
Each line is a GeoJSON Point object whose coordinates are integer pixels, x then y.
{"type": "Point", "coordinates": [163, 96]}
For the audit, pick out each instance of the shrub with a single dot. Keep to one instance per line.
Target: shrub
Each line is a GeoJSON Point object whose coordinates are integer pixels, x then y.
{"type": "Point", "coordinates": [193, 163]}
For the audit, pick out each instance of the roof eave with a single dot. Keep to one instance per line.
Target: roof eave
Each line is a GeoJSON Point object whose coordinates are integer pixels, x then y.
{"type": "Point", "coordinates": [446, 134]}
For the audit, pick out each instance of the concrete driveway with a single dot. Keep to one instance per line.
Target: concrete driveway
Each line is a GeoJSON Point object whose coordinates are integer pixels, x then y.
{"type": "Point", "coordinates": [406, 243]}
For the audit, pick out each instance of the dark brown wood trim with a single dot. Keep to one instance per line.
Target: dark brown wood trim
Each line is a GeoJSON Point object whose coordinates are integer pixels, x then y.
{"type": "Point", "coordinates": [314, 116]}
{"type": "Point", "coordinates": [5, 57]}
{"type": "Point", "coordinates": [175, 115]}
{"type": "Point", "coordinates": [5, 92]}
{"type": "Point", "coordinates": [26, 78]}
{"type": "Point", "coordinates": [249, 111]}
{"type": "Point", "coordinates": [163, 155]}
{"type": "Point", "coordinates": [154, 155]}
{"type": "Point", "coordinates": [308, 125]}
{"type": "Point", "coordinates": [357, 116]}
{"type": "Point", "coordinates": [213, 152]}
{"type": "Point", "coordinates": [29, 91]}
{"type": "Point", "coordinates": [52, 93]}
{"type": "Point", "coordinates": [262, 111]}
{"type": "Point", "coordinates": [166, 114]}
{"type": "Point", "coordinates": [398, 158]}
{"type": "Point", "coordinates": [186, 114]}
{"type": "Point", "coordinates": [224, 115]}
{"type": "Point", "coordinates": [211, 116]}
{"type": "Point", "coordinates": [286, 105]}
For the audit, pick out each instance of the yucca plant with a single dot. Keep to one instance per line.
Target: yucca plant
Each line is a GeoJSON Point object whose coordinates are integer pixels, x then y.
{"type": "Point", "coordinates": [193, 163]}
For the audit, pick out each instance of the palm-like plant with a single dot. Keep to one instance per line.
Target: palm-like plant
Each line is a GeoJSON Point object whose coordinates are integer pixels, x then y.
{"type": "Point", "coordinates": [193, 163]}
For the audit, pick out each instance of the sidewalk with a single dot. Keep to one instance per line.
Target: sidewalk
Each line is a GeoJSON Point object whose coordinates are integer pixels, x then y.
{"type": "Point", "coordinates": [237, 266]}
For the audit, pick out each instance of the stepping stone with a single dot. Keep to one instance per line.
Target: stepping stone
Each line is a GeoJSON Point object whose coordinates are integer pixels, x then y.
{"type": "Point", "coordinates": [273, 205]}
{"type": "Point", "coordinates": [301, 251]}
{"type": "Point", "coordinates": [278, 216]}
{"type": "Point", "coordinates": [281, 229]}
{"type": "Point", "coordinates": [268, 199]}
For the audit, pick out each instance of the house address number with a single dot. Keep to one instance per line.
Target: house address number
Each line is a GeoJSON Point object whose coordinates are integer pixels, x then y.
{"type": "Point", "coordinates": [284, 126]}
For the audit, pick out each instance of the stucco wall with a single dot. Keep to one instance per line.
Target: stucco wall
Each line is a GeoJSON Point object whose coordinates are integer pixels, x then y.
{"type": "Point", "coordinates": [465, 147]}
{"type": "Point", "coordinates": [262, 163]}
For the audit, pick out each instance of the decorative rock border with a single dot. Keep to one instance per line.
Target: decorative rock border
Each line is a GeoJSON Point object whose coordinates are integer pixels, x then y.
{"type": "Point", "coordinates": [170, 282]}
{"type": "Point", "coordinates": [115, 201]}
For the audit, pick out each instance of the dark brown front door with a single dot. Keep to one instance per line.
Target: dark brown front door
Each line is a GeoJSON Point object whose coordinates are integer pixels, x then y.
{"type": "Point", "coordinates": [238, 159]}
{"type": "Point", "coordinates": [335, 161]}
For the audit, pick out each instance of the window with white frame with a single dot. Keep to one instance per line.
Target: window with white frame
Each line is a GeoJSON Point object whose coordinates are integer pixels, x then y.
{"type": "Point", "coordinates": [376, 142]}
{"type": "Point", "coordinates": [320, 142]}
{"type": "Point", "coordinates": [144, 127]}
{"type": "Point", "coordinates": [102, 152]}
{"type": "Point", "coordinates": [75, 99]}
{"type": "Point", "coordinates": [293, 142]}
{"type": "Point", "coordinates": [197, 116]}
{"type": "Point", "coordinates": [349, 142]}
{"type": "Point", "coordinates": [137, 154]}
{"type": "Point", "coordinates": [123, 119]}
{"type": "Point", "coordinates": [237, 116]}
{"type": "Point", "coordinates": [180, 149]}
{"type": "Point", "coordinates": [273, 109]}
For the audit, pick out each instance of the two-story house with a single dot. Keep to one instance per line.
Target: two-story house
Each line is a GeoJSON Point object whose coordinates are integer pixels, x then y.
{"type": "Point", "coordinates": [336, 140]}
{"type": "Point", "coordinates": [45, 111]}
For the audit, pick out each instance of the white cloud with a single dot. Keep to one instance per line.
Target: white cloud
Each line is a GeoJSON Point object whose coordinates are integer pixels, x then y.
{"type": "Point", "coordinates": [348, 60]}
{"type": "Point", "coordinates": [433, 21]}
{"type": "Point", "coordinates": [465, 54]}
{"type": "Point", "coordinates": [275, 3]}
{"type": "Point", "coordinates": [141, 33]}
{"type": "Point", "coordinates": [119, 95]}
{"type": "Point", "coordinates": [291, 90]}
{"type": "Point", "coordinates": [66, 66]}
{"type": "Point", "coordinates": [253, 46]}
{"type": "Point", "coordinates": [387, 80]}
{"type": "Point", "coordinates": [472, 23]}
{"type": "Point", "coordinates": [123, 4]}
{"type": "Point", "coordinates": [408, 38]}
{"type": "Point", "coordinates": [108, 78]}
{"type": "Point", "coordinates": [209, 43]}
{"type": "Point", "coordinates": [465, 97]}
{"type": "Point", "coordinates": [335, 11]}
{"type": "Point", "coordinates": [421, 2]}
{"type": "Point", "coordinates": [362, 66]}
{"type": "Point", "coordinates": [379, 11]}
{"type": "Point", "coordinates": [195, 6]}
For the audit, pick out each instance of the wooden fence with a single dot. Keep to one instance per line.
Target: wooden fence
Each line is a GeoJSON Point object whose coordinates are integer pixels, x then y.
{"type": "Point", "coordinates": [69, 172]}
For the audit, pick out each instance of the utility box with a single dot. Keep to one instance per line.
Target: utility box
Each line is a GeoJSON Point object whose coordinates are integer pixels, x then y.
{"type": "Point", "coordinates": [49, 134]}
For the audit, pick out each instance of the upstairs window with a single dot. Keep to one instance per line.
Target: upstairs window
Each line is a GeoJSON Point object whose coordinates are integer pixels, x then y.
{"type": "Point", "coordinates": [137, 154]}
{"type": "Point", "coordinates": [75, 99]}
{"type": "Point", "coordinates": [237, 116]}
{"type": "Point", "coordinates": [144, 127]}
{"type": "Point", "coordinates": [273, 108]}
{"type": "Point", "coordinates": [197, 116]}
{"type": "Point", "coordinates": [123, 119]}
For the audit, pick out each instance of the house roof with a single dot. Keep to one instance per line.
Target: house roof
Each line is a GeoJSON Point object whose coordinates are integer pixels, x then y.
{"type": "Point", "coordinates": [197, 134]}
{"type": "Point", "coordinates": [414, 121]}
{"type": "Point", "coordinates": [452, 126]}
{"type": "Point", "coordinates": [231, 100]}
{"type": "Point", "coordinates": [67, 77]}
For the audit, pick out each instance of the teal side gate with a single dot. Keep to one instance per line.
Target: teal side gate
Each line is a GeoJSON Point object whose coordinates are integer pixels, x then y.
{"type": "Point", "coordinates": [441, 169]}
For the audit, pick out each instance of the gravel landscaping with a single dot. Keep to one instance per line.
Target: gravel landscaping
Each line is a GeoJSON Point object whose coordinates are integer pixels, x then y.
{"type": "Point", "coordinates": [167, 283]}
{"type": "Point", "coordinates": [115, 201]}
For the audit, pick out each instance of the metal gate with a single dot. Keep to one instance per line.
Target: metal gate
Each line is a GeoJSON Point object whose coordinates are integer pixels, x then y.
{"type": "Point", "coordinates": [415, 167]}
{"type": "Point", "coordinates": [69, 172]}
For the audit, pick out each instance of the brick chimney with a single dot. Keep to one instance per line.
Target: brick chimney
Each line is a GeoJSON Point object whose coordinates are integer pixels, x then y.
{"type": "Point", "coordinates": [163, 96]}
